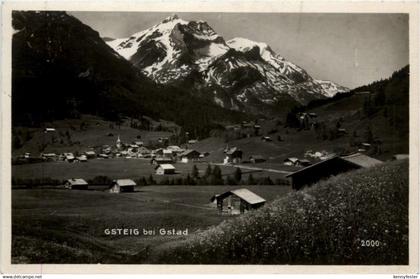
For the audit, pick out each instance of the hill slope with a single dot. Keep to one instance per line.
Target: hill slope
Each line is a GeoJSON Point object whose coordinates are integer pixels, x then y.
{"type": "Point", "coordinates": [61, 68]}
{"type": "Point", "coordinates": [328, 223]}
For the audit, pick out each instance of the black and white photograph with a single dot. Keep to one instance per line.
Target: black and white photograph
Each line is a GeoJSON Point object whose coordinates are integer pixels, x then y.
{"type": "Point", "coordinates": [210, 138]}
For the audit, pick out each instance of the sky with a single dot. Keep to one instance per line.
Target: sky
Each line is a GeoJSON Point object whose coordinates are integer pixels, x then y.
{"type": "Point", "coordinates": [348, 49]}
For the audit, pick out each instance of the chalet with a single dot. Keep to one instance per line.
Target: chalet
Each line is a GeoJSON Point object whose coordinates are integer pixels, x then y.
{"type": "Point", "coordinates": [400, 157]}
{"type": "Point", "coordinates": [238, 201]}
{"type": "Point", "coordinates": [167, 152]}
{"type": "Point", "coordinates": [122, 185]}
{"type": "Point", "coordinates": [233, 155]}
{"type": "Point", "coordinates": [266, 138]}
{"type": "Point", "coordinates": [69, 157]}
{"type": "Point", "coordinates": [49, 130]}
{"type": "Point", "coordinates": [330, 167]}
{"type": "Point", "coordinates": [341, 131]}
{"type": "Point", "coordinates": [365, 145]}
{"type": "Point", "coordinates": [292, 161]}
{"type": "Point", "coordinates": [256, 159]}
{"type": "Point", "coordinates": [189, 155]}
{"type": "Point", "coordinates": [192, 141]}
{"type": "Point", "coordinates": [175, 149]}
{"type": "Point", "coordinates": [82, 158]}
{"type": "Point", "coordinates": [103, 156]}
{"type": "Point", "coordinates": [165, 169]}
{"type": "Point", "coordinates": [76, 184]}
{"type": "Point", "coordinates": [139, 143]}
{"type": "Point", "coordinates": [49, 156]}
{"type": "Point", "coordinates": [90, 154]}
{"type": "Point", "coordinates": [161, 160]}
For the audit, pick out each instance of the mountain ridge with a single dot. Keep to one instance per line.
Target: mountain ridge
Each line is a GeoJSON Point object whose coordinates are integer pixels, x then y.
{"type": "Point", "coordinates": [176, 50]}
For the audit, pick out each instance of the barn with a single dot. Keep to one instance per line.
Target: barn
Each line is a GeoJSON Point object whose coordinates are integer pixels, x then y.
{"type": "Point", "coordinates": [189, 155]}
{"type": "Point", "coordinates": [76, 184]}
{"type": "Point", "coordinates": [122, 185]}
{"type": "Point", "coordinates": [237, 201]}
{"type": "Point", "coordinates": [165, 169]}
{"type": "Point", "coordinates": [330, 167]}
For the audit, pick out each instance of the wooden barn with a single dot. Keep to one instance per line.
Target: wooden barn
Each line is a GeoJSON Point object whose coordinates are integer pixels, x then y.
{"type": "Point", "coordinates": [237, 201]}
{"type": "Point", "coordinates": [122, 185]}
{"type": "Point", "coordinates": [330, 167]}
{"type": "Point", "coordinates": [189, 155]}
{"type": "Point", "coordinates": [165, 169]}
{"type": "Point", "coordinates": [76, 184]}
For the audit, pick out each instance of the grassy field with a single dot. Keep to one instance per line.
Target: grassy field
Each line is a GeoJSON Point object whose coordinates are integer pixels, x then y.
{"type": "Point", "coordinates": [116, 168]}
{"type": "Point", "coordinates": [62, 226]}
{"type": "Point", "coordinates": [357, 218]}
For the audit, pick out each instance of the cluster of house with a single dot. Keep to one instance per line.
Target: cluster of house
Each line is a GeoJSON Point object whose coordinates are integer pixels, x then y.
{"type": "Point", "coordinates": [249, 129]}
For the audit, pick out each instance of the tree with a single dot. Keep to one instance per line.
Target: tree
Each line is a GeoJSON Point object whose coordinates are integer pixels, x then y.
{"type": "Point", "coordinates": [238, 175]}
{"type": "Point", "coordinates": [195, 173]}
{"type": "Point", "coordinates": [208, 171]}
{"type": "Point", "coordinates": [151, 180]}
{"type": "Point", "coordinates": [251, 180]}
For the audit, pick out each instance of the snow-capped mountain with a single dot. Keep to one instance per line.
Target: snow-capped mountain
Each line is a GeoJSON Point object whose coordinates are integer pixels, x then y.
{"type": "Point", "coordinates": [240, 73]}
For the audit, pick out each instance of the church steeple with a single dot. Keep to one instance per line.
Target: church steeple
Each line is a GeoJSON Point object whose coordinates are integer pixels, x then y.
{"type": "Point", "coordinates": [118, 142]}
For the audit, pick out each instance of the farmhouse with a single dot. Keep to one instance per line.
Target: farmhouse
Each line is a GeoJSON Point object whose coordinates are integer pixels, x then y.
{"type": "Point", "coordinates": [237, 201]}
{"type": "Point", "coordinates": [90, 154]}
{"type": "Point", "coordinates": [175, 149]}
{"type": "Point", "coordinates": [49, 156]}
{"type": "Point", "coordinates": [165, 169]}
{"type": "Point", "coordinates": [82, 158]}
{"type": "Point", "coordinates": [330, 167]}
{"type": "Point", "coordinates": [122, 185]}
{"type": "Point", "coordinates": [266, 138]}
{"type": "Point", "coordinates": [69, 157]}
{"type": "Point", "coordinates": [76, 184]}
{"type": "Point", "coordinates": [256, 159]}
{"type": "Point", "coordinates": [292, 161]}
{"type": "Point", "coordinates": [189, 155]}
{"type": "Point", "coordinates": [400, 157]}
{"type": "Point", "coordinates": [233, 155]}
{"type": "Point", "coordinates": [49, 130]}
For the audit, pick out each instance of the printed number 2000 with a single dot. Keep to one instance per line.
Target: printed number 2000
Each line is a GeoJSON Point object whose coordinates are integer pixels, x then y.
{"type": "Point", "coordinates": [370, 243]}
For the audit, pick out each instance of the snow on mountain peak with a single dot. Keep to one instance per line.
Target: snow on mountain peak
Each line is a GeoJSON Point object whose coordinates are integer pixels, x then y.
{"type": "Point", "coordinates": [244, 45]}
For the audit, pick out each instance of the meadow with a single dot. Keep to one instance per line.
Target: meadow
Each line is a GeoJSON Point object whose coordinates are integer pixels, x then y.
{"type": "Point", "coordinates": [357, 218]}
{"type": "Point", "coordinates": [68, 226]}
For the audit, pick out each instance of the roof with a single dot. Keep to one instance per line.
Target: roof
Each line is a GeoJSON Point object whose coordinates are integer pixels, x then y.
{"type": "Point", "coordinates": [362, 160]}
{"type": "Point", "coordinates": [357, 159]}
{"type": "Point", "coordinates": [401, 156]}
{"type": "Point", "coordinates": [311, 166]}
{"type": "Point", "coordinates": [233, 150]}
{"type": "Point", "coordinates": [125, 182]}
{"type": "Point", "coordinates": [77, 181]}
{"type": "Point", "coordinates": [248, 196]}
{"type": "Point", "coordinates": [90, 152]}
{"type": "Point", "coordinates": [292, 159]}
{"type": "Point", "coordinates": [166, 166]}
{"type": "Point", "coordinates": [162, 159]}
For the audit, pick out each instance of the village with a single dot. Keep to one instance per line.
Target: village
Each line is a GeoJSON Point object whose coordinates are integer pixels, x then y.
{"type": "Point", "coordinates": [185, 165]}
